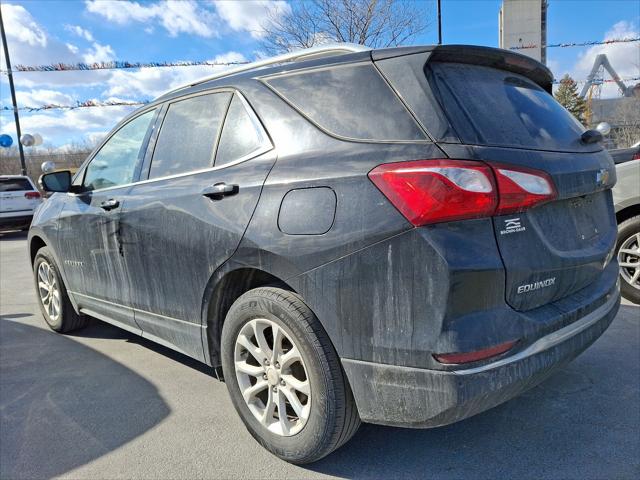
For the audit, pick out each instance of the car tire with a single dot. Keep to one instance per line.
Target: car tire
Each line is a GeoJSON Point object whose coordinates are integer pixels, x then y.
{"type": "Point", "coordinates": [326, 418]}
{"type": "Point", "coordinates": [55, 305]}
{"type": "Point", "coordinates": [629, 240]}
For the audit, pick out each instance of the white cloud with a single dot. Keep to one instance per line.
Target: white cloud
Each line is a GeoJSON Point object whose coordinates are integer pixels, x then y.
{"type": "Point", "coordinates": [152, 82]}
{"type": "Point", "coordinates": [59, 126]}
{"type": "Point", "coordinates": [72, 48]}
{"type": "Point", "coordinates": [29, 44]}
{"type": "Point", "coordinates": [99, 53]}
{"type": "Point", "coordinates": [121, 12]}
{"type": "Point", "coordinates": [176, 16]}
{"type": "Point", "coordinates": [22, 27]}
{"type": "Point", "coordinates": [250, 15]}
{"type": "Point", "coordinates": [37, 97]}
{"type": "Point", "coordinates": [80, 32]}
{"type": "Point", "coordinates": [624, 57]}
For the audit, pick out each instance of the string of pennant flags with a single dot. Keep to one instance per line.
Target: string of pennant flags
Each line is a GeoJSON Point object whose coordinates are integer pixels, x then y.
{"type": "Point", "coordinates": [84, 104]}
{"type": "Point", "coordinates": [580, 44]}
{"type": "Point", "coordinates": [114, 65]}
{"type": "Point", "coordinates": [120, 103]}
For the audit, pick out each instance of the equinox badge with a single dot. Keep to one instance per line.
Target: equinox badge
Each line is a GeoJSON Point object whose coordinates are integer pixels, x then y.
{"type": "Point", "coordinates": [530, 287]}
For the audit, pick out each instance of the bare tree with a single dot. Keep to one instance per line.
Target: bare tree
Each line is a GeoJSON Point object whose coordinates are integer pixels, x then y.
{"type": "Point", "coordinates": [626, 123]}
{"type": "Point", "coordinates": [375, 23]}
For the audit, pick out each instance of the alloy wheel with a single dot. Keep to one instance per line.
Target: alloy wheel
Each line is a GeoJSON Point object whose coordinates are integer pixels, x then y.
{"type": "Point", "coordinates": [49, 291]}
{"type": "Point", "coordinates": [272, 377]}
{"type": "Point", "coordinates": [629, 260]}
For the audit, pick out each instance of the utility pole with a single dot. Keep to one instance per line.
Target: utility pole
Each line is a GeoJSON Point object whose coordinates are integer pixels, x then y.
{"type": "Point", "coordinates": [439, 24]}
{"type": "Point", "coordinates": [23, 165]}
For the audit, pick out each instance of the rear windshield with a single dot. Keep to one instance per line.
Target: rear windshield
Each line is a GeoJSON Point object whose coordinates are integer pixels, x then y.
{"type": "Point", "coordinates": [488, 106]}
{"type": "Point", "coordinates": [15, 184]}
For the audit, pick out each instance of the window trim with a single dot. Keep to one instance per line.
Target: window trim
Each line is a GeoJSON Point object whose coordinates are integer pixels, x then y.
{"type": "Point", "coordinates": [153, 135]}
{"type": "Point", "coordinates": [263, 138]}
{"type": "Point", "coordinates": [266, 143]}
{"type": "Point", "coordinates": [265, 81]}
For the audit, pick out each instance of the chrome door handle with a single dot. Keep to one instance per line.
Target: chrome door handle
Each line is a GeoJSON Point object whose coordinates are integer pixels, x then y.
{"type": "Point", "coordinates": [110, 204]}
{"type": "Point", "coordinates": [220, 190]}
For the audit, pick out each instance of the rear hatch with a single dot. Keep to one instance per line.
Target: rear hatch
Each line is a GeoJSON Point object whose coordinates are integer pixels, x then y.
{"type": "Point", "coordinates": [17, 195]}
{"type": "Point", "coordinates": [500, 112]}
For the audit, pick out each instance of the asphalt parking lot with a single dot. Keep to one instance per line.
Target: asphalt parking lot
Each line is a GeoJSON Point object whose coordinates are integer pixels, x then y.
{"type": "Point", "coordinates": [103, 403]}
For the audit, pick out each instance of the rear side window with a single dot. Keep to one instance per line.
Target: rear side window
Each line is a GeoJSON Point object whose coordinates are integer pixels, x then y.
{"type": "Point", "coordinates": [241, 135]}
{"type": "Point", "coordinates": [15, 184]}
{"type": "Point", "coordinates": [493, 107]}
{"type": "Point", "coordinates": [188, 135]}
{"type": "Point", "coordinates": [351, 101]}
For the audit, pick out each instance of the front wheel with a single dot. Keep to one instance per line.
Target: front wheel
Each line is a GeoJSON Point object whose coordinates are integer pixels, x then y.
{"type": "Point", "coordinates": [628, 252]}
{"type": "Point", "coordinates": [54, 302]}
{"type": "Point", "coordinates": [285, 378]}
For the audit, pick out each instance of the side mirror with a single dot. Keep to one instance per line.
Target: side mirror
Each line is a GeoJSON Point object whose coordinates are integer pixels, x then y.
{"type": "Point", "coordinates": [591, 136]}
{"type": "Point", "coordinates": [56, 181]}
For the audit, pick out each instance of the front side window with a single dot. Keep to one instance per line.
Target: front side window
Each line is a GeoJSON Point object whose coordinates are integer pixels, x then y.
{"type": "Point", "coordinates": [240, 136]}
{"type": "Point", "coordinates": [116, 161]}
{"type": "Point", "coordinates": [188, 135]}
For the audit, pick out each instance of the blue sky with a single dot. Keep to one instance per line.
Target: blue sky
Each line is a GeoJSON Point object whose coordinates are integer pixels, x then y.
{"type": "Point", "coordinates": [74, 31]}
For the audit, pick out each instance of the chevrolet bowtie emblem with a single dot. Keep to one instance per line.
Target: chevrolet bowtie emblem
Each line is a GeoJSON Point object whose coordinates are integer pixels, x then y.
{"type": "Point", "coordinates": [602, 177]}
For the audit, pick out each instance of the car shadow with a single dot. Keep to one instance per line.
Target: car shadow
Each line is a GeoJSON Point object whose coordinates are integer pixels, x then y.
{"type": "Point", "coordinates": [63, 404]}
{"type": "Point", "coordinates": [580, 423]}
{"type": "Point", "coordinates": [99, 329]}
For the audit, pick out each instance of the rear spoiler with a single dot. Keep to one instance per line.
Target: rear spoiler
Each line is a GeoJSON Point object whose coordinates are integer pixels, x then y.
{"type": "Point", "coordinates": [476, 55]}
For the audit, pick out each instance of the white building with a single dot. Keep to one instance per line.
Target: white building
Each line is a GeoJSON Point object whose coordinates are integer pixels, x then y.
{"type": "Point", "coordinates": [523, 23]}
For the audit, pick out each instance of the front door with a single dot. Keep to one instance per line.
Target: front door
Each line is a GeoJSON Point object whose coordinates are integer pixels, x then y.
{"type": "Point", "coordinates": [89, 226]}
{"type": "Point", "coordinates": [188, 218]}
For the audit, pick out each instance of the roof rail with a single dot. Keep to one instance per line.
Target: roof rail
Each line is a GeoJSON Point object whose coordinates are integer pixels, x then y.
{"type": "Point", "coordinates": [304, 54]}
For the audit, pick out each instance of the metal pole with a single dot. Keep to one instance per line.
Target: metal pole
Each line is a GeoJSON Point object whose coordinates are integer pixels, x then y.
{"type": "Point", "coordinates": [439, 24]}
{"type": "Point", "coordinates": [23, 165]}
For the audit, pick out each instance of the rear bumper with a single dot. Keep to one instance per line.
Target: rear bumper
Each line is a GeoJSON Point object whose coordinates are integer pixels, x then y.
{"type": "Point", "coordinates": [15, 221]}
{"type": "Point", "coordinates": [422, 398]}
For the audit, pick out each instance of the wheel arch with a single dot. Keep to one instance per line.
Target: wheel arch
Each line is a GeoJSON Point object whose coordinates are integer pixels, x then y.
{"type": "Point", "coordinates": [627, 212]}
{"type": "Point", "coordinates": [224, 289]}
{"type": "Point", "coordinates": [36, 242]}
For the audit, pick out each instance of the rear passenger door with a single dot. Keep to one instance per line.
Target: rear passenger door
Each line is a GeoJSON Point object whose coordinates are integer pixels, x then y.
{"type": "Point", "coordinates": [205, 170]}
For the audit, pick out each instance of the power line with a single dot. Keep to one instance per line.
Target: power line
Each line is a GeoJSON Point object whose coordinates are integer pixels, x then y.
{"type": "Point", "coordinates": [580, 44]}
{"type": "Point", "coordinates": [113, 65]}
{"type": "Point", "coordinates": [125, 103]}
{"type": "Point", "coordinates": [84, 104]}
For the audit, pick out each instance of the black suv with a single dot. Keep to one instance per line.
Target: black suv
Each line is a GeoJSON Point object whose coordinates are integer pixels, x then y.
{"type": "Point", "coordinates": [406, 236]}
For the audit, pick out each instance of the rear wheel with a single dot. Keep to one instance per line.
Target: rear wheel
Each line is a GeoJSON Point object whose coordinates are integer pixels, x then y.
{"type": "Point", "coordinates": [285, 378]}
{"type": "Point", "coordinates": [54, 302]}
{"type": "Point", "coordinates": [628, 252]}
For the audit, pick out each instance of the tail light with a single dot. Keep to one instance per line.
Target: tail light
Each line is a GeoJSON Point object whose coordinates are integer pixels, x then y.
{"type": "Point", "coordinates": [434, 191]}
{"type": "Point", "coordinates": [32, 195]}
{"type": "Point", "coordinates": [636, 156]}
{"type": "Point", "coordinates": [520, 189]}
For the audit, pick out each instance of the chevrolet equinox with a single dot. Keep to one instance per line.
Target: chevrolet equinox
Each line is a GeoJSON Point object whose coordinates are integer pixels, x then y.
{"type": "Point", "coordinates": [404, 236]}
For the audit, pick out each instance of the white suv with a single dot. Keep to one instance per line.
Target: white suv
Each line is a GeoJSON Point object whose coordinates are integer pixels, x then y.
{"type": "Point", "coordinates": [18, 200]}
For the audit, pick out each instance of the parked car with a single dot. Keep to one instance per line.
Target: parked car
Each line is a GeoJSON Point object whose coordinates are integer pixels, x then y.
{"type": "Point", "coordinates": [406, 236]}
{"type": "Point", "coordinates": [626, 196]}
{"type": "Point", "coordinates": [18, 200]}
